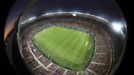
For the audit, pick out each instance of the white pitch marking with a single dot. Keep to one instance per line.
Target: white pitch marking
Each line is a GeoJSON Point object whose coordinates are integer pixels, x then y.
{"type": "Point", "coordinates": [98, 63]}
{"type": "Point", "coordinates": [92, 72]}
{"type": "Point", "coordinates": [86, 43]}
{"type": "Point", "coordinates": [36, 57]}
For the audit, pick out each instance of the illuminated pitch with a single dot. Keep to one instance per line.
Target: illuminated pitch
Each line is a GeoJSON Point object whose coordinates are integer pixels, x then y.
{"type": "Point", "coordinates": [68, 48]}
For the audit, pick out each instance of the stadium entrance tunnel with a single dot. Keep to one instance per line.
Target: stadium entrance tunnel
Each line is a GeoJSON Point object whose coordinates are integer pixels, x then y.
{"type": "Point", "coordinates": [68, 43]}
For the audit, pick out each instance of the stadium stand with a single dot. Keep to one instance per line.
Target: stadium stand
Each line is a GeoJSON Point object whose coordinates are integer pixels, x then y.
{"type": "Point", "coordinates": [99, 65]}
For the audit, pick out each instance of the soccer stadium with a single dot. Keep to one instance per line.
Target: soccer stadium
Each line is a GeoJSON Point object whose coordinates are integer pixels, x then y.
{"type": "Point", "coordinates": [67, 44]}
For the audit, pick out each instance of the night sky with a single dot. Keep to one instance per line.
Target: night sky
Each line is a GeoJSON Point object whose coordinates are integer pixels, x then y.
{"type": "Point", "coordinates": [103, 8]}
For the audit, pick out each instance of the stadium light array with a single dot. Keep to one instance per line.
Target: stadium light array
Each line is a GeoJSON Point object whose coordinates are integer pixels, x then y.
{"type": "Point", "coordinates": [30, 19]}
{"type": "Point", "coordinates": [74, 14]}
{"type": "Point", "coordinates": [117, 27]}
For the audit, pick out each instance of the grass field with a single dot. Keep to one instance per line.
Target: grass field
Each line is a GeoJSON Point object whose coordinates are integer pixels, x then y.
{"type": "Point", "coordinates": [69, 48]}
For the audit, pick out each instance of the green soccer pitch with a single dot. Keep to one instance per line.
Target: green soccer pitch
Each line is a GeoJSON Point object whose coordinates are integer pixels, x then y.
{"type": "Point", "coordinates": [68, 48]}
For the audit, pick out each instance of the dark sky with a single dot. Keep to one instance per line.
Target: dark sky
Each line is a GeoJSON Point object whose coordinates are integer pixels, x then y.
{"type": "Point", "coordinates": [106, 8]}
{"type": "Point", "coordinates": [103, 8]}
{"type": "Point", "coordinates": [97, 7]}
